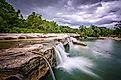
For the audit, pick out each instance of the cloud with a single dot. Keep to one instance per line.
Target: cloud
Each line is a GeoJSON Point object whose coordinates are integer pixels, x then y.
{"type": "Point", "coordinates": [34, 3]}
{"type": "Point", "coordinates": [73, 12]}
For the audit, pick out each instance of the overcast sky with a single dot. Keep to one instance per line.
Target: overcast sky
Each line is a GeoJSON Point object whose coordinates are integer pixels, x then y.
{"type": "Point", "coordinates": [73, 12]}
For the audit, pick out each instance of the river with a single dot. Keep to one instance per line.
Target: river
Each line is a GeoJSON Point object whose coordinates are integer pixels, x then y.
{"type": "Point", "coordinates": [101, 60]}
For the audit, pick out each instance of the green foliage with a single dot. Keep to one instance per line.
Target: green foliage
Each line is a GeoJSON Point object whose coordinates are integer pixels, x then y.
{"type": "Point", "coordinates": [83, 31]}
{"type": "Point", "coordinates": [8, 17]}
{"type": "Point", "coordinates": [118, 29]}
{"type": "Point", "coordinates": [12, 21]}
{"type": "Point", "coordinates": [94, 31]}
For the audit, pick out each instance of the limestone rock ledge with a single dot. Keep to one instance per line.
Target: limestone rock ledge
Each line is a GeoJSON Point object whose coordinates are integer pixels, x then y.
{"type": "Point", "coordinates": [27, 60]}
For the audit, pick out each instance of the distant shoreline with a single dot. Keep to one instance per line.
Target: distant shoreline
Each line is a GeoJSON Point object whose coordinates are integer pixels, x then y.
{"type": "Point", "coordinates": [102, 38]}
{"type": "Point", "coordinates": [36, 36]}
{"type": "Point", "coordinates": [112, 38]}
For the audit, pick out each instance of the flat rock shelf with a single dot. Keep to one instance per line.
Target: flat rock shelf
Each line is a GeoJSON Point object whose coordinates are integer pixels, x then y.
{"type": "Point", "coordinates": [26, 59]}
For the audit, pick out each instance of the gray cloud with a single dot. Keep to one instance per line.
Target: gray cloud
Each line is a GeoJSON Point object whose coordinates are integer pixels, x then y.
{"type": "Point", "coordinates": [84, 2]}
{"type": "Point", "coordinates": [29, 6]}
{"type": "Point", "coordinates": [73, 12]}
{"type": "Point", "coordinates": [105, 21]}
{"type": "Point", "coordinates": [88, 2]}
{"type": "Point", "coordinates": [34, 3]}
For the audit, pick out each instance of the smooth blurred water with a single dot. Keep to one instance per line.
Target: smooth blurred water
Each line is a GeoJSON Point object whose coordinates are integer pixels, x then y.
{"type": "Point", "coordinates": [105, 55]}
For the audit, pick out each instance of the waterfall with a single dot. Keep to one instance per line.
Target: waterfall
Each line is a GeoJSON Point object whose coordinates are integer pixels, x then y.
{"type": "Point", "coordinates": [61, 45]}
{"type": "Point", "coordinates": [58, 57]}
{"type": "Point", "coordinates": [71, 45]}
{"type": "Point", "coordinates": [70, 41]}
{"type": "Point", "coordinates": [51, 71]}
{"type": "Point", "coordinates": [60, 54]}
{"type": "Point", "coordinates": [70, 63]}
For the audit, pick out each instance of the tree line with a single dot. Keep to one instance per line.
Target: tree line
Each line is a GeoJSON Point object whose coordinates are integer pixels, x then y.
{"type": "Point", "coordinates": [12, 21]}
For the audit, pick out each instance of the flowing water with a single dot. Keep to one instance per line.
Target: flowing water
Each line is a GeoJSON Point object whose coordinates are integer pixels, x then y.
{"type": "Point", "coordinates": [100, 60]}
{"type": "Point", "coordinates": [51, 71]}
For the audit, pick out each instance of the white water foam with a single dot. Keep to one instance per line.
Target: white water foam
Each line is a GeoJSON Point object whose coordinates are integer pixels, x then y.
{"type": "Point", "coordinates": [71, 63]}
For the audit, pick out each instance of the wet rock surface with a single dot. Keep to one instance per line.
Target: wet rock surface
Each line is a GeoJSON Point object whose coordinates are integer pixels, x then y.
{"type": "Point", "coordinates": [26, 59]}
{"type": "Point", "coordinates": [22, 55]}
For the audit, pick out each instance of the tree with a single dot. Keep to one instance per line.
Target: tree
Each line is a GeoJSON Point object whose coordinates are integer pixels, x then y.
{"type": "Point", "coordinates": [96, 30]}
{"type": "Point", "coordinates": [9, 18]}
{"type": "Point", "coordinates": [89, 32]}
{"type": "Point", "coordinates": [82, 30]}
{"type": "Point", "coordinates": [118, 29]}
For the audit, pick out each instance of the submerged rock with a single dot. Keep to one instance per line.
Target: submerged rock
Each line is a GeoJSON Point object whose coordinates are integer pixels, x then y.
{"type": "Point", "coordinates": [79, 43]}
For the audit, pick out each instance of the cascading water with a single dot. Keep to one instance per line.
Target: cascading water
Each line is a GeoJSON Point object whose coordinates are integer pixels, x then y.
{"type": "Point", "coordinates": [98, 58]}
{"type": "Point", "coordinates": [60, 57]}
{"type": "Point", "coordinates": [69, 64]}
{"type": "Point", "coordinates": [61, 45]}
{"type": "Point", "coordinates": [70, 43]}
{"type": "Point", "coordinates": [53, 76]}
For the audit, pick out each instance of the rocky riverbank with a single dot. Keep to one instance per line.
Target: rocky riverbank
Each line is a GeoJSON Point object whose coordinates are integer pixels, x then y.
{"type": "Point", "coordinates": [26, 59]}
{"type": "Point", "coordinates": [14, 36]}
